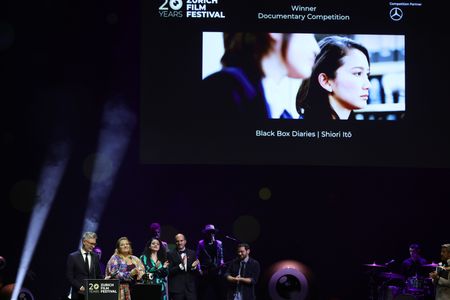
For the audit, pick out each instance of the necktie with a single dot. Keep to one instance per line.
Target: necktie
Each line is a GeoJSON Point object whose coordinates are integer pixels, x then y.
{"type": "Point", "coordinates": [242, 269]}
{"type": "Point", "coordinates": [86, 262]}
{"type": "Point", "coordinates": [241, 274]}
{"type": "Point", "coordinates": [285, 115]}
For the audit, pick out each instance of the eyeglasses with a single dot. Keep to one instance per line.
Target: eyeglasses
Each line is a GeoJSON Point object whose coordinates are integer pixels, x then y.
{"type": "Point", "coordinates": [92, 244]}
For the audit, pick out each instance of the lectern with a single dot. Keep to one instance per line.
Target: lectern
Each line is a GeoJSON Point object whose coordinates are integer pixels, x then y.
{"type": "Point", "coordinates": [146, 292]}
{"type": "Point", "coordinates": [102, 289]}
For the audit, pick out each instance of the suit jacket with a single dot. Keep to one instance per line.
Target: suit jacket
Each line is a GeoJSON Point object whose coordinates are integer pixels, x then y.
{"type": "Point", "coordinates": [181, 281]}
{"type": "Point", "coordinates": [210, 264]}
{"type": "Point", "coordinates": [252, 270]}
{"type": "Point", "coordinates": [442, 285]}
{"type": "Point", "coordinates": [76, 271]}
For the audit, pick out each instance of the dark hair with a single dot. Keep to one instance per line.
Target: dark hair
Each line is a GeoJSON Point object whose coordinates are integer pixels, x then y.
{"type": "Point", "coordinates": [162, 254]}
{"type": "Point", "coordinates": [246, 50]}
{"type": "Point", "coordinates": [312, 99]}
{"type": "Point", "coordinates": [415, 247]}
{"type": "Point", "coordinates": [245, 245]}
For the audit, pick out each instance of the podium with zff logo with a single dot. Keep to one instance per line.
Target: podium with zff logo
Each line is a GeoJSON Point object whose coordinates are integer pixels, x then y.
{"type": "Point", "coordinates": [102, 289]}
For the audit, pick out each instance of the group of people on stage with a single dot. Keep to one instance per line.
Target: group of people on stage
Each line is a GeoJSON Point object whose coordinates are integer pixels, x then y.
{"type": "Point", "coordinates": [412, 267]}
{"type": "Point", "coordinates": [181, 273]}
{"type": "Point", "coordinates": [417, 276]}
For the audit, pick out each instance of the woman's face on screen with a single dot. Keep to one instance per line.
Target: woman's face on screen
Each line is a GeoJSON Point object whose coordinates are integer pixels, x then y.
{"type": "Point", "coordinates": [301, 52]}
{"type": "Point", "coordinates": [350, 88]}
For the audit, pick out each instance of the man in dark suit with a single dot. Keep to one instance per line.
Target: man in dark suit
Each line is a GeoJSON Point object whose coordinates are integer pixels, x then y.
{"type": "Point", "coordinates": [183, 268]}
{"type": "Point", "coordinates": [83, 264]}
{"type": "Point", "coordinates": [242, 275]}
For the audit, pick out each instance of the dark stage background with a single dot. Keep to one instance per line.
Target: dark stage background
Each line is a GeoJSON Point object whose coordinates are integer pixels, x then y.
{"type": "Point", "coordinates": [61, 61]}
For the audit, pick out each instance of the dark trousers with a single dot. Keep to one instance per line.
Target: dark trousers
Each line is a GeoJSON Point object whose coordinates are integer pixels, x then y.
{"type": "Point", "coordinates": [211, 287]}
{"type": "Point", "coordinates": [183, 296]}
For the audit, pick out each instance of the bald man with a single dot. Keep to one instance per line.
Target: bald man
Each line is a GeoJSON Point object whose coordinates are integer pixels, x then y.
{"type": "Point", "coordinates": [183, 269]}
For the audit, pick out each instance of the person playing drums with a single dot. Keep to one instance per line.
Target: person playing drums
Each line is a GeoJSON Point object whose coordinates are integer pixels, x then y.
{"type": "Point", "coordinates": [412, 269]}
{"type": "Point", "coordinates": [412, 266]}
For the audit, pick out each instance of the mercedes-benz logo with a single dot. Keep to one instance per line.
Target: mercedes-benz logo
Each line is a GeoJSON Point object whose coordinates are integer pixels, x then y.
{"type": "Point", "coordinates": [396, 14]}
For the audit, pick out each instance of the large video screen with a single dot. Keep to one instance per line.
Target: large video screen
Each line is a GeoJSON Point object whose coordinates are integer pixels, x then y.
{"type": "Point", "coordinates": [291, 82]}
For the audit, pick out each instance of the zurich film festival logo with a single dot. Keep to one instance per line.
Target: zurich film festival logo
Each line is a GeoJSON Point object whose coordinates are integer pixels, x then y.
{"type": "Point", "coordinates": [94, 288]}
{"type": "Point", "coordinates": [171, 9]}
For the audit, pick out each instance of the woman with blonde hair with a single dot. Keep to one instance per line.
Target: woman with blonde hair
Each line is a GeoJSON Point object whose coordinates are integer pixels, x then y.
{"type": "Point", "coordinates": [126, 267]}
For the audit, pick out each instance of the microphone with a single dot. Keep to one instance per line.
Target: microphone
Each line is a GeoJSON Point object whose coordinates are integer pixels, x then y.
{"type": "Point", "coordinates": [390, 262]}
{"type": "Point", "coordinates": [231, 238]}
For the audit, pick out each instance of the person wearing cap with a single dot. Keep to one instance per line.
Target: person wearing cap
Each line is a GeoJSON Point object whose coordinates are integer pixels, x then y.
{"type": "Point", "coordinates": [210, 255]}
{"type": "Point", "coordinates": [440, 277]}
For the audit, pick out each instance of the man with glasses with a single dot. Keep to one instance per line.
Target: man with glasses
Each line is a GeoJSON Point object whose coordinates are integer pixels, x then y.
{"type": "Point", "coordinates": [83, 264]}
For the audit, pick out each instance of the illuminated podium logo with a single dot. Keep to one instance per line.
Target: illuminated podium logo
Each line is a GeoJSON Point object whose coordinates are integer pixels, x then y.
{"type": "Point", "coordinates": [102, 289]}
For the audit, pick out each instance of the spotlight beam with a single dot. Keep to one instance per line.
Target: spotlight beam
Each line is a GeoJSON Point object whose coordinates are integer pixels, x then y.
{"type": "Point", "coordinates": [117, 126]}
{"type": "Point", "coordinates": [48, 184]}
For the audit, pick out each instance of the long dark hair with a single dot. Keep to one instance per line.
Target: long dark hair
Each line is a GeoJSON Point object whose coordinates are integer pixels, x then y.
{"type": "Point", "coordinates": [312, 98]}
{"type": "Point", "coordinates": [162, 254]}
{"type": "Point", "coordinates": [246, 50]}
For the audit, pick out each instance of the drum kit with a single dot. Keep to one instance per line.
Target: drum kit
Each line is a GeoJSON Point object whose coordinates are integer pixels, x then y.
{"type": "Point", "coordinates": [386, 285]}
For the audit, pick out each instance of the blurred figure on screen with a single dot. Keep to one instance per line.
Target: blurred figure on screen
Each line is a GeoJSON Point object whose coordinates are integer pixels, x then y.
{"type": "Point", "coordinates": [256, 78]}
{"type": "Point", "coordinates": [339, 81]}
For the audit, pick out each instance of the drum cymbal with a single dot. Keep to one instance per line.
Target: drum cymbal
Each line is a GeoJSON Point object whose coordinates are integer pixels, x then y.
{"type": "Point", "coordinates": [432, 265]}
{"type": "Point", "coordinates": [374, 265]}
